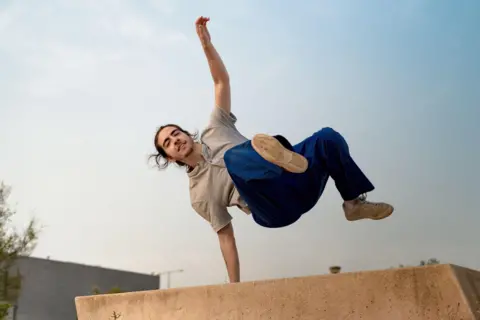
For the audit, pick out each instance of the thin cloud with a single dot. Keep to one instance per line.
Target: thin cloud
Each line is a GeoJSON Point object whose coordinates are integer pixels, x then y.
{"type": "Point", "coordinates": [99, 38]}
{"type": "Point", "coordinates": [8, 16]}
{"type": "Point", "coordinates": [163, 6]}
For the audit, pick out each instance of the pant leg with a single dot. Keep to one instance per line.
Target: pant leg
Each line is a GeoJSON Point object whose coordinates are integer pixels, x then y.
{"type": "Point", "coordinates": [278, 198]}
{"type": "Point", "coordinates": [243, 161]}
{"type": "Point", "coordinates": [265, 187]}
{"type": "Point", "coordinates": [328, 150]}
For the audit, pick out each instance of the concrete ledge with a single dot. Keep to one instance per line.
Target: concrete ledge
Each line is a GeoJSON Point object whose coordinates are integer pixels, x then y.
{"type": "Point", "coordinates": [431, 292]}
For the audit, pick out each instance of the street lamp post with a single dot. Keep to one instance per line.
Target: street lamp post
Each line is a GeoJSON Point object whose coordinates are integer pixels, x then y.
{"type": "Point", "coordinates": [168, 273]}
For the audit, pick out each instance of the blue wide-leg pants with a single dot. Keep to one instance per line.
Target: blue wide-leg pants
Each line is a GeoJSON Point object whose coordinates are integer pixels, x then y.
{"type": "Point", "coordinates": [278, 198]}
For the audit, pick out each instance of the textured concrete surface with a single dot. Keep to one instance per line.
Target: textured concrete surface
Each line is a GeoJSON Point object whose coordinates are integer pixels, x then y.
{"type": "Point", "coordinates": [432, 292]}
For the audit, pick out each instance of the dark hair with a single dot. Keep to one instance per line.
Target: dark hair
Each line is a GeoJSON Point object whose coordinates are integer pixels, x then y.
{"type": "Point", "coordinates": [161, 154]}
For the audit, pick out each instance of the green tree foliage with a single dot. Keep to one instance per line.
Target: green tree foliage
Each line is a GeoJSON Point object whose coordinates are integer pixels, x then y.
{"type": "Point", "coordinates": [429, 262]}
{"type": "Point", "coordinates": [335, 269]}
{"type": "Point", "coordinates": [96, 290]}
{"type": "Point", "coordinates": [13, 244]}
{"type": "Point", "coordinates": [422, 263]}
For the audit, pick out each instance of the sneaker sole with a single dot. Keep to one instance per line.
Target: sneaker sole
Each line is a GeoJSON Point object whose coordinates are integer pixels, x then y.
{"type": "Point", "coordinates": [385, 214]}
{"type": "Point", "coordinates": [273, 151]}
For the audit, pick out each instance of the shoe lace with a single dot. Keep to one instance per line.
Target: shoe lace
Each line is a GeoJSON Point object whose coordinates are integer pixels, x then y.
{"type": "Point", "coordinates": [363, 198]}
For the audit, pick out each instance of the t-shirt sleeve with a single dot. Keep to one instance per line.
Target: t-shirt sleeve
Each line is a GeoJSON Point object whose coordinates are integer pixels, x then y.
{"type": "Point", "coordinates": [218, 216]}
{"type": "Point", "coordinates": [221, 118]}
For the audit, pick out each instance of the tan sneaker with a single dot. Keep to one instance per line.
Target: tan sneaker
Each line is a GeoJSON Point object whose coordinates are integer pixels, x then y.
{"type": "Point", "coordinates": [364, 209]}
{"type": "Point", "coordinates": [273, 151]}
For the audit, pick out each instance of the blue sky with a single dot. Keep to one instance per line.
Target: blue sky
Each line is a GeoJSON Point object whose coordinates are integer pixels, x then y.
{"type": "Point", "coordinates": [84, 84]}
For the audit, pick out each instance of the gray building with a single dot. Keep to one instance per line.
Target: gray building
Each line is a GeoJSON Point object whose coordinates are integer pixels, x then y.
{"type": "Point", "coordinates": [49, 287]}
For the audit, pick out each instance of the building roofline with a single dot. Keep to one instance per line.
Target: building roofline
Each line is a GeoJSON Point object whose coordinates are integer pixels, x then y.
{"type": "Point", "coordinates": [87, 265]}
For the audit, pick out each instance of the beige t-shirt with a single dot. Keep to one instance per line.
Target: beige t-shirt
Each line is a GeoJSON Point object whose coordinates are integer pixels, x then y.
{"type": "Point", "coordinates": [211, 188]}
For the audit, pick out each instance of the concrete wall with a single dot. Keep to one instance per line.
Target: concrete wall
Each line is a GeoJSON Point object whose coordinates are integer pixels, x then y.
{"type": "Point", "coordinates": [49, 287]}
{"type": "Point", "coordinates": [420, 293]}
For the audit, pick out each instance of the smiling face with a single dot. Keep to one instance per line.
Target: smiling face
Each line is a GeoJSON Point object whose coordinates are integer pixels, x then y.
{"type": "Point", "coordinates": [177, 144]}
